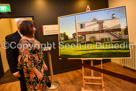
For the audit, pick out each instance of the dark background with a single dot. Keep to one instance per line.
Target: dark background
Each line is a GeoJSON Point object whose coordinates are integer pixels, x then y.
{"type": "Point", "coordinates": [1, 68]}
{"type": "Point", "coordinates": [45, 12]}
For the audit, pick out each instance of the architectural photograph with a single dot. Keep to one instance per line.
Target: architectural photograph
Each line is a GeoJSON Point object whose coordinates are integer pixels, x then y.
{"type": "Point", "coordinates": [99, 32]}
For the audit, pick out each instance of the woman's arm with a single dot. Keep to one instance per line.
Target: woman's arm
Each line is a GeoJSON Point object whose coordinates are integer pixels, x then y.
{"type": "Point", "coordinates": [45, 66]}
{"type": "Point", "coordinates": [38, 74]}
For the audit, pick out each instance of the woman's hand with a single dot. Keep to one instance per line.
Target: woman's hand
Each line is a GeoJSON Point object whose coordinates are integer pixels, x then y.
{"type": "Point", "coordinates": [40, 76]}
{"type": "Point", "coordinates": [17, 74]}
{"type": "Point", "coordinates": [45, 67]}
{"type": "Point", "coordinates": [38, 73]}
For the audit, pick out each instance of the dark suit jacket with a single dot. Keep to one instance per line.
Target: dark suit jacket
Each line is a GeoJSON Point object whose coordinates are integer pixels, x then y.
{"type": "Point", "coordinates": [12, 53]}
{"type": "Point", "coordinates": [12, 57]}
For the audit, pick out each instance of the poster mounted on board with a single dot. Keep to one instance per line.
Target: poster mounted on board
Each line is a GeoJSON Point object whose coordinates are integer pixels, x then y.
{"type": "Point", "coordinates": [96, 34]}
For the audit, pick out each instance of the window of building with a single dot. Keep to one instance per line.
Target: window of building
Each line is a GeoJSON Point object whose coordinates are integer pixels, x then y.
{"type": "Point", "coordinates": [82, 26]}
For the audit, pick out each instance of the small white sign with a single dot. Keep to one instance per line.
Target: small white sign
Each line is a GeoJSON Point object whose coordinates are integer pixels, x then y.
{"type": "Point", "coordinates": [50, 29]}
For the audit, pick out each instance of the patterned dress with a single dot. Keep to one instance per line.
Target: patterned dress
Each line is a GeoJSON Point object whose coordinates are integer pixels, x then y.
{"type": "Point", "coordinates": [31, 56]}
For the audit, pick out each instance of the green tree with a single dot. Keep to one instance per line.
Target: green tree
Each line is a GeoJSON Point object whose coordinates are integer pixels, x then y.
{"type": "Point", "coordinates": [92, 39]}
{"type": "Point", "coordinates": [65, 36]}
{"type": "Point", "coordinates": [126, 31]}
{"type": "Point", "coordinates": [74, 35]}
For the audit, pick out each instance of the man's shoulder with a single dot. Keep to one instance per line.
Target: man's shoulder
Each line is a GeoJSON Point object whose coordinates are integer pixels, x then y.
{"type": "Point", "coordinates": [11, 36]}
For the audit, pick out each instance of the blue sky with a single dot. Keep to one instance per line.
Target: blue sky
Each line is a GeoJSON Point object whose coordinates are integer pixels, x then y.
{"type": "Point", "coordinates": [67, 24]}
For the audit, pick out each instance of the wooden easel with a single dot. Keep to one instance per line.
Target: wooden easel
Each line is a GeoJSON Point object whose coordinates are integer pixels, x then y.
{"type": "Point", "coordinates": [92, 72]}
{"type": "Point", "coordinates": [92, 76]}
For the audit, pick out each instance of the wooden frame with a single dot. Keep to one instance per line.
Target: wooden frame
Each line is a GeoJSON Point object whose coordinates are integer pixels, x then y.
{"type": "Point", "coordinates": [14, 16]}
{"type": "Point", "coordinates": [92, 76]}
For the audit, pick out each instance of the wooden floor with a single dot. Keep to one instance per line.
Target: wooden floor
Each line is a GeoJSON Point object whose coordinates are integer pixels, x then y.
{"type": "Point", "coordinates": [72, 81]}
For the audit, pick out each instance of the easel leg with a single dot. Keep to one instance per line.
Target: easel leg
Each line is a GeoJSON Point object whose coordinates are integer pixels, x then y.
{"type": "Point", "coordinates": [92, 76]}
{"type": "Point", "coordinates": [92, 72]}
{"type": "Point", "coordinates": [83, 76]}
{"type": "Point", "coordinates": [103, 88]}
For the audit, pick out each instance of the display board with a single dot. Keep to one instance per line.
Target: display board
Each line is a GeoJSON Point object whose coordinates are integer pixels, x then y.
{"type": "Point", "coordinates": [50, 29]}
{"type": "Point", "coordinates": [96, 34]}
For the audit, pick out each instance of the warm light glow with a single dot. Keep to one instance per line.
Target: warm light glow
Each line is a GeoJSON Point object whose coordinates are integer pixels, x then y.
{"type": "Point", "coordinates": [40, 4]}
{"type": "Point", "coordinates": [81, 4]}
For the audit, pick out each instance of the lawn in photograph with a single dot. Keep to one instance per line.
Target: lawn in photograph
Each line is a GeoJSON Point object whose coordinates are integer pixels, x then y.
{"type": "Point", "coordinates": [98, 50]}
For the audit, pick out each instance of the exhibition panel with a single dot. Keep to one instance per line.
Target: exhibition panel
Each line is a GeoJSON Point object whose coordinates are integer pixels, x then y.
{"type": "Point", "coordinates": [96, 34]}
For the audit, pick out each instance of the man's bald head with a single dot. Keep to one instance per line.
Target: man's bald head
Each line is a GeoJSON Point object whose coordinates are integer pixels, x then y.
{"type": "Point", "coordinates": [19, 22]}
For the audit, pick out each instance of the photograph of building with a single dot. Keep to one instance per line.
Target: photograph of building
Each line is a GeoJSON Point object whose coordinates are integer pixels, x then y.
{"type": "Point", "coordinates": [106, 27]}
{"type": "Point", "coordinates": [100, 29]}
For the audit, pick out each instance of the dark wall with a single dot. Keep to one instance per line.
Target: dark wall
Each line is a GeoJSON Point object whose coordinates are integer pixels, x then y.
{"type": "Point", "coordinates": [45, 12]}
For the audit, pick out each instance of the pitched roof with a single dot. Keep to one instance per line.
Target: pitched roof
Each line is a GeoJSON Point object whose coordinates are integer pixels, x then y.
{"type": "Point", "coordinates": [94, 20]}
